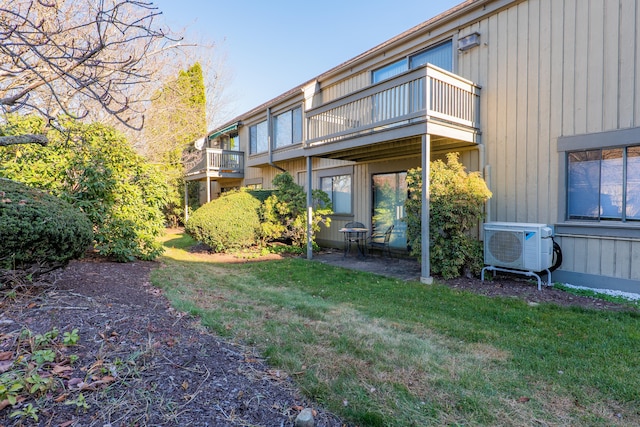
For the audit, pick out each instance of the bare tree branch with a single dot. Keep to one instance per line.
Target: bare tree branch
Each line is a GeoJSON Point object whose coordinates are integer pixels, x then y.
{"type": "Point", "coordinates": [75, 57]}
{"type": "Point", "coordinates": [23, 139]}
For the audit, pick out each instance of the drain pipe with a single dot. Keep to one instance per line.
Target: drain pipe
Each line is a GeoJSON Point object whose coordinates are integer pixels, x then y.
{"type": "Point", "coordinates": [270, 139]}
{"type": "Point", "coordinates": [486, 174]}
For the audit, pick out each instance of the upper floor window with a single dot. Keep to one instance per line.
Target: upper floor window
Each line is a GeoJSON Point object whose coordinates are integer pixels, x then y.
{"type": "Point", "coordinates": [604, 184]}
{"type": "Point", "coordinates": [258, 138]}
{"type": "Point", "coordinates": [440, 55]}
{"type": "Point", "coordinates": [228, 142]}
{"type": "Point", "coordinates": [390, 70]}
{"type": "Point", "coordinates": [287, 128]}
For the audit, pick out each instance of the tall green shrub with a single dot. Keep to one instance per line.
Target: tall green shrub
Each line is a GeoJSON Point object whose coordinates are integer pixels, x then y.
{"type": "Point", "coordinates": [38, 231]}
{"type": "Point", "coordinates": [227, 223]}
{"type": "Point", "coordinates": [93, 167]}
{"type": "Point", "coordinates": [284, 213]}
{"type": "Point", "coordinates": [456, 204]}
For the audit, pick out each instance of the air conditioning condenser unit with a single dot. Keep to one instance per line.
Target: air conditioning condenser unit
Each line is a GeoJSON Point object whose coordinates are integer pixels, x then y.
{"type": "Point", "coordinates": [522, 248]}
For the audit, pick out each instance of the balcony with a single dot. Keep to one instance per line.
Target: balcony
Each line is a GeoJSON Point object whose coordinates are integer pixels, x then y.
{"type": "Point", "coordinates": [425, 100]}
{"type": "Point", "coordinates": [215, 163]}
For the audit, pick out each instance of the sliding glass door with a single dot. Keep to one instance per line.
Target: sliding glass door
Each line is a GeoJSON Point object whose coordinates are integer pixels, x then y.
{"type": "Point", "coordinates": [389, 195]}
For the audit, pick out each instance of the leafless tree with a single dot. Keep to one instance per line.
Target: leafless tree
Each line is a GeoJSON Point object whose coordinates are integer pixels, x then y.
{"type": "Point", "coordinates": [78, 57]}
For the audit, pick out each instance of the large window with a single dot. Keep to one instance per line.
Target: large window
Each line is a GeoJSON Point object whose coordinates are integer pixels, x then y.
{"type": "Point", "coordinates": [390, 70]}
{"type": "Point", "coordinates": [287, 128]}
{"type": "Point", "coordinates": [258, 138]}
{"type": "Point", "coordinates": [604, 184]}
{"type": "Point", "coordinates": [339, 190]}
{"type": "Point", "coordinates": [440, 55]}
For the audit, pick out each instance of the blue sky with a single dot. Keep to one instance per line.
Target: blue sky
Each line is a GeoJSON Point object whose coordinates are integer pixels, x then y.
{"type": "Point", "coordinates": [272, 46]}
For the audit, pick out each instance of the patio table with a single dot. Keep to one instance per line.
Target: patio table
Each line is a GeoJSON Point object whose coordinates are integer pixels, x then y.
{"type": "Point", "coordinates": [355, 235]}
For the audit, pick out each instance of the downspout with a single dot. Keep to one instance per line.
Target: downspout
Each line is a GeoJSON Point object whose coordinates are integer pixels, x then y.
{"type": "Point", "coordinates": [485, 169]}
{"type": "Point", "coordinates": [270, 139]}
{"type": "Point", "coordinates": [487, 180]}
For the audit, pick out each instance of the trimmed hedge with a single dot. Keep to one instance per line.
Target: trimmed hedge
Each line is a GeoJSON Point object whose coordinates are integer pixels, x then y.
{"type": "Point", "coordinates": [228, 223]}
{"type": "Point", "coordinates": [37, 229]}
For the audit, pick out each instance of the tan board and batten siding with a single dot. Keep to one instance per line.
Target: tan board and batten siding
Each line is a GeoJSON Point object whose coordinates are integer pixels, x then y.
{"type": "Point", "coordinates": [547, 69]}
{"type": "Point", "coordinates": [553, 68]}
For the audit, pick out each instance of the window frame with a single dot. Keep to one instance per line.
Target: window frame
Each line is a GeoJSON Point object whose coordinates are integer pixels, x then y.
{"type": "Point", "coordinates": [254, 138]}
{"type": "Point", "coordinates": [335, 172]}
{"type": "Point", "coordinates": [612, 174]}
{"type": "Point", "coordinates": [433, 48]}
{"type": "Point", "coordinates": [616, 139]}
{"type": "Point", "coordinates": [405, 64]}
{"type": "Point", "coordinates": [293, 134]}
{"type": "Point", "coordinates": [333, 191]}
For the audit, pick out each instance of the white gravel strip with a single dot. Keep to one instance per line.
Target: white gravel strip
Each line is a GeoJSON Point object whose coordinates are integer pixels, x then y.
{"type": "Point", "coordinates": [626, 295]}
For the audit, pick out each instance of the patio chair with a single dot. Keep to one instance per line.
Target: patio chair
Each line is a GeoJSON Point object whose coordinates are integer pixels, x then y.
{"type": "Point", "coordinates": [380, 241]}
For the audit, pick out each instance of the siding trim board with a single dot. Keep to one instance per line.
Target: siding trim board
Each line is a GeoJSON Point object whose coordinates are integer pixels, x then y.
{"type": "Point", "coordinates": [622, 231]}
{"type": "Point", "coordinates": [608, 139]}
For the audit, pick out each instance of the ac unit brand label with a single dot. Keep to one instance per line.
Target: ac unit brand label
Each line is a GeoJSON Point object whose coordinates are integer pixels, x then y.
{"type": "Point", "coordinates": [529, 234]}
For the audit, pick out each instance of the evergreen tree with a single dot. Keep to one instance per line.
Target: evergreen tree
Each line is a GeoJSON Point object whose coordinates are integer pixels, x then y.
{"type": "Point", "coordinates": [177, 117]}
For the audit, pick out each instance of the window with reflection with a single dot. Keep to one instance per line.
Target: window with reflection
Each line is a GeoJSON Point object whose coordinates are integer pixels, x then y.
{"type": "Point", "coordinates": [440, 55]}
{"type": "Point", "coordinates": [604, 184]}
{"type": "Point", "coordinates": [339, 190]}
{"type": "Point", "coordinates": [287, 128]}
{"type": "Point", "coordinates": [258, 138]}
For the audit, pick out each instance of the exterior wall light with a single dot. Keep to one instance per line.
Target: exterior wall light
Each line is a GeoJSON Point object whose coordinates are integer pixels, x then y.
{"type": "Point", "coordinates": [467, 42]}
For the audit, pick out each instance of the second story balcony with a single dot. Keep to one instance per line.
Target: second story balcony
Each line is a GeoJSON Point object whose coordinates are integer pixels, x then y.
{"type": "Point", "coordinates": [215, 163]}
{"type": "Point", "coordinates": [427, 100]}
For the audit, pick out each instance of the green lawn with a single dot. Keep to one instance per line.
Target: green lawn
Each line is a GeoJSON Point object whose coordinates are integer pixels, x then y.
{"type": "Point", "coordinates": [379, 351]}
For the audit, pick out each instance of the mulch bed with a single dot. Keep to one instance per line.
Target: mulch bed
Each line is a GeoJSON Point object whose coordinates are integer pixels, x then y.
{"type": "Point", "coordinates": [161, 367]}
{"type": "Point", "coordinates": [142, 363]}
{"type": "Point", "coordinates": [519, 287]}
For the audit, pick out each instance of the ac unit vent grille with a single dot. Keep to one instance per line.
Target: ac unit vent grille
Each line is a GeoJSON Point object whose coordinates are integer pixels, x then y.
{"type": "Point", "coordinates": [506, 246]}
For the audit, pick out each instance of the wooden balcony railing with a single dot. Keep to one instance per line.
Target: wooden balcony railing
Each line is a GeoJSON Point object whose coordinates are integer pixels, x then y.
{"type": "Point", "coordinates": [215, 162]}
{"type": "Point", "coordinates": [421, 94]}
